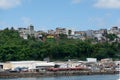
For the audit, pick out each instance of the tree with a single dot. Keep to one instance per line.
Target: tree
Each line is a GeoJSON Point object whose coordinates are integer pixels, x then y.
{"type": "Point", "coordinates": [111, 37]}
{"type": "Point", "coordinates": [14, 48]}
{"type": "Point", "coordinates": [62, 36]}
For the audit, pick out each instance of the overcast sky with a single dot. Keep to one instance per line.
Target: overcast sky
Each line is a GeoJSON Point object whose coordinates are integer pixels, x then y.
{"type": "Point", "coordinates": [49, 14]}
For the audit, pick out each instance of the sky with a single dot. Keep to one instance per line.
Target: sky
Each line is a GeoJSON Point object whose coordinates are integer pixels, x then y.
{"type": "Point", "coordinates": [48, 14]}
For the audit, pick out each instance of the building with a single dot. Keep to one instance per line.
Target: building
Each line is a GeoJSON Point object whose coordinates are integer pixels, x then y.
{"type": "Point", "coordinates": [92, 60]}
{"type": "Point", "coordinates": [24, 32]}
{"type": "Point", "coordinates": [77, 35]}
{"type": "Point", "coordinates": [31, 30]}
{"type": "Point", "coordinates": [82, 33]}
{"type": "Point", "coordinates": [61, 31]}
{"type": "Point", "coordinates": [52, 32]}
{"type": "Point", "coordinates": [40, 35]}
{"type": "Point", "coordinates": [89, 34]}
{"type": "Point", "coordinates": [114, 30]}
{"type": "Point", "coordinates": [29, 65]}
{"type": "Point", "coordinates": [70, 32]}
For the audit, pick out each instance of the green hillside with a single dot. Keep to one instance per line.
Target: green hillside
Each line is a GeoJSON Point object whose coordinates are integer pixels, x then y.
{"type": "Point", "coordinates": [14, 48]}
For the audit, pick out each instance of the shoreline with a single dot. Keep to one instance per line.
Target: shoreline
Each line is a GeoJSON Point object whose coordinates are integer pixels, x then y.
{"type": "Point", "coordinates": [49, 74]}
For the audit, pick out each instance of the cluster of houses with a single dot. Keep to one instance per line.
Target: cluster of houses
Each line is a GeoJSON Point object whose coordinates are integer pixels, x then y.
{"type": "Point", "coordinates": [38, 66]}
{"type": "Point", "coordinates": [99, 35]}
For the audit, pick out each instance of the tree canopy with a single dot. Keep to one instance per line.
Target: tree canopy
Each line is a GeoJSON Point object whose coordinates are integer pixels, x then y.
{"type": "Point", "coordinates": [14, 48]}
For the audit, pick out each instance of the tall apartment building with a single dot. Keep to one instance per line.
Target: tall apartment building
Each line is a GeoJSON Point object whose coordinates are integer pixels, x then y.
{"type": "Point", "coordinates": [31, 30]}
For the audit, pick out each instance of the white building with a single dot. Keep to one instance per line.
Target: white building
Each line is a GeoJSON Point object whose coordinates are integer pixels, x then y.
{"type": "Point", "coordinates": [92, 60]}
{"type": "Point", "coordinates": [24, 32]}
{"type": "Point", "coordinates": [30, 65]}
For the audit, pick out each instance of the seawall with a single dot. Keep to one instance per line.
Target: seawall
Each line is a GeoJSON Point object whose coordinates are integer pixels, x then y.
{"type": "Point", "coordinates": [49, 73]}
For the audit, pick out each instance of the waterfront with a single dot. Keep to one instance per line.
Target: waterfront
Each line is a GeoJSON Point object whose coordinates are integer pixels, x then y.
{"type": "Point", "coordinates": [82, 77]}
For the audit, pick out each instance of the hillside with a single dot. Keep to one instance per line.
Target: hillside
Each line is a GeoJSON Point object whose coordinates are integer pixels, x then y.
{"type": "Point", "coordinates": [14, 48]}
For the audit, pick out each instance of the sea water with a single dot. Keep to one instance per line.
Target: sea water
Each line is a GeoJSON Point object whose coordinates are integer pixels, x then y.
{"type": "Point", "coordinates": [80, 77]}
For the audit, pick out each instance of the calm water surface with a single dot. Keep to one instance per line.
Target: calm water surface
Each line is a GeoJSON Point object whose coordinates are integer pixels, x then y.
{"type": "Point", "coordinates": [90, 77]}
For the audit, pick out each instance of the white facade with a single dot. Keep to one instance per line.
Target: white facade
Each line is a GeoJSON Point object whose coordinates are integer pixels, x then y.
{"type": "Point", "coordinates": [98, 36]}
{"type": "Point", "coordinates": [31, 64]}
{"type": "Point", "coordinates": [91, 59]}
{"type": "Point", "coordinates": [70, 32]}
{"type": "Point", "coordinates": [117, 62]}
{"type": "Point", "coordinates": [24, 32]}
{"type": "Point", "coordinates": [118, 35]}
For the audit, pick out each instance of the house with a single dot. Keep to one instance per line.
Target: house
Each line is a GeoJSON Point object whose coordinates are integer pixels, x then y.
{"type": "Point", "coordinates": [70, 32]}
{"type": "Point", "coordinates": [80, 35]}
{"type": "Point", "coordinates": [89, 34]}
{"type": "Point", "coordinates": [61, 31]}
{"type": "Point", "coordinates": [77, 35]}
{"type": "Point", "coordinates": [52, 32]}
{"type": "Point", "coordinates": [114, 30]}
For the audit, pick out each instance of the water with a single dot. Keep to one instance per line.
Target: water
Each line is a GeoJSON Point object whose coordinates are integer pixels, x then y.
{"type": "Point", "coordinates": [90, 77]}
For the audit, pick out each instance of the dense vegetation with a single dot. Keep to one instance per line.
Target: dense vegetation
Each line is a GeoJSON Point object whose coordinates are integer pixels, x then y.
{"type": "Point", "coordinates": [14, 48]}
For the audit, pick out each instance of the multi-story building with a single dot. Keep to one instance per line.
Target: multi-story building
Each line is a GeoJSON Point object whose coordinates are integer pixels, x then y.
{"type": "Point", "coordinates": [24, 32]}
{"type": "Point", "coordinates": [70, 32]}
{"type": "Point", "coordinates": [89, 34]}
{"type": "Point", "coordinates": [61, 31]}
{"type": "Point", "coordinates": [31, 30]}
{"type": "Point", "coordinates": [52, 32]}
{"type": "Point", "coordinates": [79, 35]}
{"type": "Point", "coordinates": [99, 35]}
{"type": "Point", "coordinates": [114, 30]}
